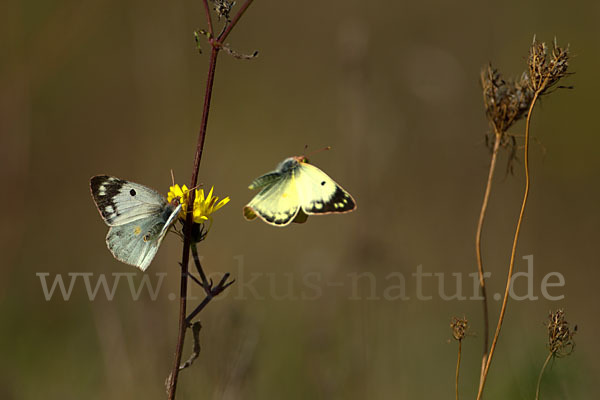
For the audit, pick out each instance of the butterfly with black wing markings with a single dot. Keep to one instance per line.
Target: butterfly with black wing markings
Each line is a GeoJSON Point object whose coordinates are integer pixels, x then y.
{"type": "Point", "coordinates": [294, 190]}
{"type": "Point", "coordinates": [138, 217]}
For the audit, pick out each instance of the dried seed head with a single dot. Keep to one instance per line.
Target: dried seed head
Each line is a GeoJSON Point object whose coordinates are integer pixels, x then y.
{"type": "Point", "coordinates": [505, 101]}
{"type": "Point", "coordinates": [223, 8]}
{"type": "Point", "coordinates": [537, 63]}
{"type": "Point", "coordinates": [559, 63]}
{"type": "Point", "coordinates": [546, 71]}
{"type": "Point", "coordinates": [560, 334]}
{"type": "Point", "coordinates": [459, 327]}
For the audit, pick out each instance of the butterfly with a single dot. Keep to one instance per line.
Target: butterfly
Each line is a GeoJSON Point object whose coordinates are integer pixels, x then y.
{"type": "Point", "coordinates": [138, 217]}
{"type": "Point", "coordinates": [295, 190]}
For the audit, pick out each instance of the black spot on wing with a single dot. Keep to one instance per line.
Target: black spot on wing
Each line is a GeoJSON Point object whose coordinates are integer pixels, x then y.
{"type": "Point", "coordinates": [339, 202]}
{"type": "Point", "coordinates": [132, 192]}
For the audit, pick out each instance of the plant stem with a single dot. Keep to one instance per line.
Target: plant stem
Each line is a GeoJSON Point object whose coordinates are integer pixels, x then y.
{"type": "Point", "coordinates": [208, 18]}
{"type": "Point", "coordinates": [204, 282]}
{"type": "Point", "coordinates": [188, 225]}
{"type": "Point", "coordinates": [234, 21]}
{"type": "Point", "coordinates": [486, 197]}
{"type": "Point", "coordinates": [187, 229]}
{"type": "Point", "coordinates": [539, 381]}
{"type": "Point", "coordinates": [458, 366]}
{"type": "Point", "coordinates": [514, 247]}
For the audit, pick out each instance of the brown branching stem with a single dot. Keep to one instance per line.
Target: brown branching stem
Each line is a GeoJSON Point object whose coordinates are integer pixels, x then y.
{"type": "Point", "coordinates": [514, 247]}
{"type": "Point", "coordinates": [210, 291]}
{"type": "Point", "coordinates": [234, 21]}
{"type": "Point", "coordinates": [187, 229]}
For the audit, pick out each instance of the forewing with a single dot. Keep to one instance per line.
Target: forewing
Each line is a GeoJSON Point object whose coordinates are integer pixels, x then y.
{"type": "Point", "coordinates": [276, 204]}
{"type": "Point", "coordinates": [121, 202]}
{"type": "Point", "coordinates": [319, 194]}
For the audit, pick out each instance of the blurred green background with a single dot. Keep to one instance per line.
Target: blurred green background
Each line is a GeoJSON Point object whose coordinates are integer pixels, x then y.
{"type": "Point", "coordinates": [90, 87]}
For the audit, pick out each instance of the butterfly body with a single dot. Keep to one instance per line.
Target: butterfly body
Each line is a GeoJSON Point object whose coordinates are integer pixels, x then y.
{"type": "Point", "coordinates": [138, 216]}
{"type": "Point", "coordinates": [294, 190]}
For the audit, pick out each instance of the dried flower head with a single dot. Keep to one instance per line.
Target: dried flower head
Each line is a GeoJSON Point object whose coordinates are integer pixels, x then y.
{"type": "Point", "coordinates": [505, 101]}
{"type": "Point", "coordinates": [560, 334]}
{"type": "Point", "coordinates": [223, 8]}
{"type": "Point", "coordinates": [459, 328]}
{"type": "Point", "coordinates": [546, 71]}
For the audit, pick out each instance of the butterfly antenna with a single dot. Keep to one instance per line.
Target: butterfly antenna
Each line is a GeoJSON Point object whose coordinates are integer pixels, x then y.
{"type": "Point", "coordinates": [196, 187]}
{"type": "Point", "coordinates": [172, 177]}
{"type": "Point", "coordinates": [316, 151]}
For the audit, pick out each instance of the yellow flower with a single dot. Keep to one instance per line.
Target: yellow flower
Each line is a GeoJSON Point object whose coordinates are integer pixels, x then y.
{"type": "Point", "coordinates": [203, 206]}
{"type": "Point", "coordinates": [179, 193]}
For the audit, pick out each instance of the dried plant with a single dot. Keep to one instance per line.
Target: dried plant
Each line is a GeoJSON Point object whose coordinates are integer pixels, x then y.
{"type": "Point", "coordinates": [459, 328]}
{"type": "Point", "coordinates": [545, 73]}
{"type": "Point", "coordinates": [560, 334]}
{"type": "Point", "coordinates": [505, 103]}
{"type": "Point", "coordinates": [223, 8]}
{"type": "Point", "coordinates": [560, 341]}
{"type": "Point", "coordinates": [459, 331]}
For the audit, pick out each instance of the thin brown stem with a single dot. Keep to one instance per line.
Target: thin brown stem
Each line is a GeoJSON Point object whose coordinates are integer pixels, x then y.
{"type": "Point", "coordinates": [208, 18]}
{"type": "Point", "coordinates": [187, 229]}
{"type": "Point", "coordinates": [458, 366]}
{"type": "Point", "coordinates": [514, 247]}
{"type": "Point", "coordinates": [539, 381]}
{"type": "Point", "coordinates": [234, 21]}
{"type": "Point", "coordinates": [486, 197]}
{"type": "Point", "coordinates": [212, 292]}
{"type": "Point", "coordinates": [205, 284]}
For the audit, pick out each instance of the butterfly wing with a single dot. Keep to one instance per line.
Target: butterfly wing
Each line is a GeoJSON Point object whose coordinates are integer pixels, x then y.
{"type": "Point", "coordinates": [319, 194]}
{"type": "Point", "coordinates": [136, 243]}
{"type": "Point", "coordinates": [265, 180]}
{"type": "Point", "coordinates": [121, 202]}
{"type": "Point", "coordinates": [278, 202]}
{"type": "Point", "coordinates": [139, 218]}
